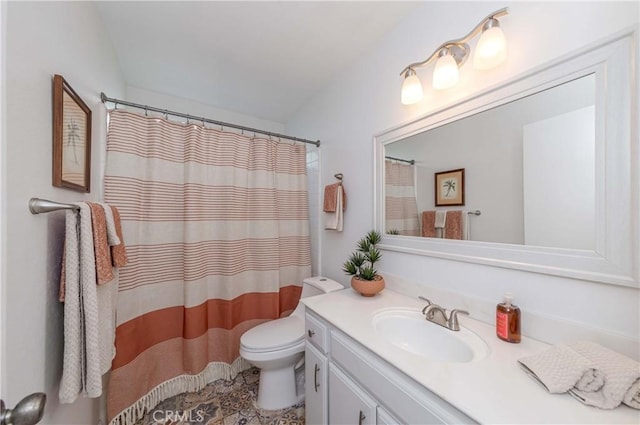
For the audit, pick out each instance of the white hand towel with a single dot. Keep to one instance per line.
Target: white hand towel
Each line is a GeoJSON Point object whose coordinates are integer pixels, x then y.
{"type": "Point", "coordinates": [112, 234]}
{"type": "Point", "coordinates": [558, 368]}
{"type": "Point", "coordinates": [621, 377]}
{"type": "Point", "coordinates": [441, 219]}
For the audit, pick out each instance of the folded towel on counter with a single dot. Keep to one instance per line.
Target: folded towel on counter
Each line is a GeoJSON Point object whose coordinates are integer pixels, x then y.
{"type": "Point", "coordinates": [632, 397]}
{"type": "Point", "coordinates": [334, 220]}
{"type": "Point", "coordinates": [591, 373]}
{"type": "Point", "coordinates": [331, 197]}
{"type": "Point", "coordinates": [559, 368]}
{"type": "Point", "coordinates": [621, 377]}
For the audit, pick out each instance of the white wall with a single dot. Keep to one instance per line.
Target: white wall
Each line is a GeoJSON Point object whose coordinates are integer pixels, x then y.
{"type": "Point", "coordinates": [365, 100]}
{"type": "Point", "coordinates": [43, 39]}
{"type": "Point", "coordinates": [559, 205]}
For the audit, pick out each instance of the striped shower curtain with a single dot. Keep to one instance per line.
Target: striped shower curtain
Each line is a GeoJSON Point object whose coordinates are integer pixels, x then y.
{"type": "Point", "coordinates": [217, 232]}
{"type": "Point", "coordinates": [401, 209]}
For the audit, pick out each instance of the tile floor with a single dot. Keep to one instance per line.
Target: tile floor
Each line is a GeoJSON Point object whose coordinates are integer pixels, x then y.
{"type": "Point", "coordinates": [223, 403]}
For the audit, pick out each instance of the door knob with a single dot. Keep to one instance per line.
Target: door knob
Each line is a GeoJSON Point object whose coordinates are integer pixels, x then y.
{"type": "Point", "coordinates": [28, 411]}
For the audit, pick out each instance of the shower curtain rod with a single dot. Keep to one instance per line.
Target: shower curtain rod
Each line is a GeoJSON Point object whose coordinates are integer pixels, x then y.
{"type": "Point", "coordinates": [166, 112]}
{"type": "Point", "coordinates": [409, 161]}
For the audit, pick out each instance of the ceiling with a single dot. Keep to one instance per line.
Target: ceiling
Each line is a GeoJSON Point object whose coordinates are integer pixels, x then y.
{"type": "Point", "coordinates": [264, 59]}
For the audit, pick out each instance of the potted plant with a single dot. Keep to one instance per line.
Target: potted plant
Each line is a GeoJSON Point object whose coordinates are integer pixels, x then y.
{"type": "Point", "coordinates": [361, 265]}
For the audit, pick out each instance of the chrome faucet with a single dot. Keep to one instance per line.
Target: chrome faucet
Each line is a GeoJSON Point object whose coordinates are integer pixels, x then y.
{"type": "Point", "coordinates": [438, 315]}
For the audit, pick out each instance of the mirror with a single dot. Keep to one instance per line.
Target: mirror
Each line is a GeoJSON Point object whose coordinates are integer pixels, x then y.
{"type": "Point", "coordinates": [507, 153]}
{"type": "Point", "coordinates": [536, 174]}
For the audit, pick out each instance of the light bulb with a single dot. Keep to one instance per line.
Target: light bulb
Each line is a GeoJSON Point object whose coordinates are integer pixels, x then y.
{"type": "Point", "coordinates": [445, 73]}
{"type": "Point", "coordinates": [411, 88]}
{"type": "Point", "coordinates": [491, 49]}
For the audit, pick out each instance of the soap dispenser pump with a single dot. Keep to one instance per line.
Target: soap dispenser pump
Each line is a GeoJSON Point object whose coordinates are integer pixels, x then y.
{"type": "Point", "coordinates": [508, 320]}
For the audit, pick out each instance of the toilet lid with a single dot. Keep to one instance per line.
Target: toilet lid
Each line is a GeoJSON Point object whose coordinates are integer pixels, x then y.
{"type": "Point", "coordinates": [276, 334]}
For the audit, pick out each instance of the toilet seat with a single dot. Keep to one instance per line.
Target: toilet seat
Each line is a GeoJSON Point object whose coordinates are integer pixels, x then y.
{"type": "Point", "coordinates": [274, 335]}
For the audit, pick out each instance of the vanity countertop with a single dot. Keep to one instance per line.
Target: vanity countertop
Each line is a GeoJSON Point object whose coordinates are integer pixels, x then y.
{"type": "Point", "coordinates": [490, 390]}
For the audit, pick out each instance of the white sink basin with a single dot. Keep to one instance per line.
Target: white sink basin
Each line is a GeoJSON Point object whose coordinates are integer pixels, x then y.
{"type": "Point", "coordinates": [410, 331]}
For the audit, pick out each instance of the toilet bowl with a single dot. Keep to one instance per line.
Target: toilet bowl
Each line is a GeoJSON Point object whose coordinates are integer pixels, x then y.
{"type": "Point", "coordinates": [277, 349]}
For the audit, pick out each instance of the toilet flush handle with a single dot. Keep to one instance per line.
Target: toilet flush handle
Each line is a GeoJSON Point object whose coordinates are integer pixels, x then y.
{"type": "Point", "coordinates": [310, 333]}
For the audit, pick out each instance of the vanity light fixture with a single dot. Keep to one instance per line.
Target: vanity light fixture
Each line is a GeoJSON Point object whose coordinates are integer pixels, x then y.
{"type": "Point", "coordinates": [490, 51]}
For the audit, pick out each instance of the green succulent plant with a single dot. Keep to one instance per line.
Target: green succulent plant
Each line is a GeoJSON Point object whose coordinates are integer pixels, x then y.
{"type": "Point", "coordinates": [361, 263]}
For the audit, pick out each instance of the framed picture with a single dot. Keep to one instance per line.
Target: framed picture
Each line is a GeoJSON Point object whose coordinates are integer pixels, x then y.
{"type": "Point", "coordinates": [449, 188]}
{"type": "Point", "coordinates": [71, 138]}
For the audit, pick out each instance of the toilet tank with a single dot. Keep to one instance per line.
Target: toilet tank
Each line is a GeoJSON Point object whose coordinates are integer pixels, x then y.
{"type": "Point", "coordinates": [319, 285]}
{"type": "Point", "coordinates": [315, 286]}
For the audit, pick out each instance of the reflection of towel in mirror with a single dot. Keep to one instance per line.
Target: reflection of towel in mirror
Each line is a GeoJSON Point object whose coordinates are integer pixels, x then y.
{"type": "Point", "coordinates": [559, 369]}
{"type": "Point", "coordinates": [441, 219]}
{"type": "Point", "coordinates": [428, 224]}
{"type": "Point", "coordinates": [454, 226]}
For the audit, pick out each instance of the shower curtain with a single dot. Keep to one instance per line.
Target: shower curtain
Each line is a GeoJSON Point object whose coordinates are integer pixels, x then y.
{"type": "Point", "coordinates": [217, 232]}
{"type": "Point", "coordinates": [401, 209]}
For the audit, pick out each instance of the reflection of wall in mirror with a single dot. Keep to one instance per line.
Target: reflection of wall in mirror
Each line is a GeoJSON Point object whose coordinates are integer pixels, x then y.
{"type": "Point", "coordinates": [489, 146]}
{"type": "Point", "coordinates": [559, 181]}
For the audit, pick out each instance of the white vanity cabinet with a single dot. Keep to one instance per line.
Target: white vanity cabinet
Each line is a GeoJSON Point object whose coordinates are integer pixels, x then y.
{"type": "Point", "coordinates": [358, 387]}
{"type": "Point", "coordinates": [348, 403]}
{"type": "Point", "coordinates": [316, 372]}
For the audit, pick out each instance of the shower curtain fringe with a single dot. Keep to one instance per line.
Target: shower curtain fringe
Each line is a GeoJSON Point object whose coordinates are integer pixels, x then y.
{"type": "Point", "coordinates": [179, 385]}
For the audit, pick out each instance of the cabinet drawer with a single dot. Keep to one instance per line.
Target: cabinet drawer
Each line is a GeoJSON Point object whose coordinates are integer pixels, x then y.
{"type": "Point", "coordinates": [409, 402]}
{"type": "Point", "coordinates": [316, 333]}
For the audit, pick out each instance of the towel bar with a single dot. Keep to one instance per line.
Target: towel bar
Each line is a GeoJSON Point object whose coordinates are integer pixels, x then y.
{"type": "Point", "coordinates": [38, 206]}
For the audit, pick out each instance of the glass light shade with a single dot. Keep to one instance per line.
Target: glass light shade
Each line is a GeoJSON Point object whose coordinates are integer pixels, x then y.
{"type": "Point", "coordinates": [491, 49]}
{"type": "Point", "coordinates": [445, 73]}
{"type": "Point", "coordinates": [411, 90]}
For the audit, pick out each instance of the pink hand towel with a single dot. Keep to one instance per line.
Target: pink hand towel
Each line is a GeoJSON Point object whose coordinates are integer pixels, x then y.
{"type": "Point", "coordinates": [428, 224]}
{"type": "Point", "coordinates": [453, 227]}
{"type": "Point", "coordinates": [331, 197]}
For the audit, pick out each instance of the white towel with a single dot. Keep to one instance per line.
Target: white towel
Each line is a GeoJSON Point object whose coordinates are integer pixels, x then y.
{"type": "Point", "coordinates": [621, 377]}
{"type": "Point", "coordinates": [441, 219]}
{"type": "Point", "coordinates": [112, 234]}
{"type": "Point", "coordinates": [107, 301]}
{"type": "Point", "coordinates": [334, 220]}
{"type": "Point", "coordinates": [81, 360]}
{"type": "Point", "coordinates": [560, 368]}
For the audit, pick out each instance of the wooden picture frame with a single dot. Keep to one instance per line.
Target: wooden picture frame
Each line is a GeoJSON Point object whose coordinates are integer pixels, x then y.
{"type": "Point", "coordinates": [449, 188]}
{"type": "Point", "coordinates": [71, 138]}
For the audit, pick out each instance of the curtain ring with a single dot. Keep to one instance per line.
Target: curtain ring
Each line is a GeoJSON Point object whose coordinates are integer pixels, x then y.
{"type": "Point", "coordinates": [166, 115]}
{"type": "Point", "coordinates": [116, 107]}
{"type": "Point", "coordinates": [203, 123]}
{"type": "Point", "coordinates": [188, 122]}
{"type": "Point", "coordinates": [146, 111]}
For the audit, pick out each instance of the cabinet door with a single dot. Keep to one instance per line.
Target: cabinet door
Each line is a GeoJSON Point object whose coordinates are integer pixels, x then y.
{"type": "Point", "coordinates": [348, 404]}
{"type": "Point", "coordinates": [315, 386]}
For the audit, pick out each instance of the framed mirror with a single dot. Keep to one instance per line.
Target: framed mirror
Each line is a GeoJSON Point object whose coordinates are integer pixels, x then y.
{"type": "Point", "coordinates": [539, 173]}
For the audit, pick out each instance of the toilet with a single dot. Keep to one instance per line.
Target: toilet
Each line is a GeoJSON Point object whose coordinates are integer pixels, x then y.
{"type": "Point", "coordinates": [277, 349]}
